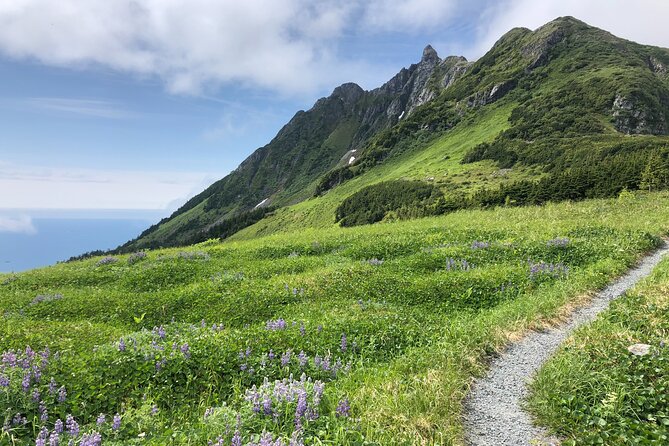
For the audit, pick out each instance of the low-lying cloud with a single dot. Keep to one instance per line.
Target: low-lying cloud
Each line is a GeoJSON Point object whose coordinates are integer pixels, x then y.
{"type": "Point", "coordinates": [21, 224]}
{"type": "Point", "coordinates": [36, 187]}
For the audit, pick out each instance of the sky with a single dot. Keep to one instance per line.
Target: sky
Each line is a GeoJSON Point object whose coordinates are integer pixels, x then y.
{"type": "Point", "coordinates": [137, 105]}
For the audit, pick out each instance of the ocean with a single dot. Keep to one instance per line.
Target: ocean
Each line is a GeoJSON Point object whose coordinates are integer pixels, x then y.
{"type": "Point", "coordinates": [57, 239]}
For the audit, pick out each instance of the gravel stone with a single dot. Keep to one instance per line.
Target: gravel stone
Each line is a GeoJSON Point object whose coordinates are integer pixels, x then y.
{"type": "Point", "coordinates": [494, 414]}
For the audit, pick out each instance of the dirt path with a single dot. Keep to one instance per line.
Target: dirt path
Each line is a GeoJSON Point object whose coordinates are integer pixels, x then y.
{"type": "Point", "coordinates": [493, 410]}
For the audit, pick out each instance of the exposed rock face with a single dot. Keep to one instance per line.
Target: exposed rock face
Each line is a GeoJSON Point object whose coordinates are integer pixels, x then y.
{"type": "Point", "coordinates": [631, 118]}
{"type": "Point", "coordinates": [490, 95]}
{"type": "Point", "coordinates": [407, 90]}
{"type": "Point", "coordinates": [658, 67]}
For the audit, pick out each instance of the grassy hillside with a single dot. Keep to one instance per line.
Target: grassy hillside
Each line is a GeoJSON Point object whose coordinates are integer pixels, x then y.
{"type": "Point", "coordinates": [387, 323]}
{"type": "Point", "coordinates": [594, 391]}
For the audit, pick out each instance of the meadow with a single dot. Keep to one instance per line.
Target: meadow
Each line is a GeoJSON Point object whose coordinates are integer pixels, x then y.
{"type": "Point", "coordinates": [353, 336]}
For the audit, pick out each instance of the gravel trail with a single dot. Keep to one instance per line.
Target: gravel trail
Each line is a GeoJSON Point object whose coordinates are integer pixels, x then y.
{"type": "Point", "coordinates": [493, 410]}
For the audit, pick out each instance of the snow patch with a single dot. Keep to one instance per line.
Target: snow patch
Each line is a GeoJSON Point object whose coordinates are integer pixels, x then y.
{"type": "Point", "coordinates": [401, 114]}
{"type": "Point", "coordinates": [261, 203]}
{"type": "Point", "coordinates": [350, 160]}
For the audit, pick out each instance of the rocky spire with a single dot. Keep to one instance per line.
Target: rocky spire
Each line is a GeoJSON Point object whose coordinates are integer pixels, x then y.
{"type": "Point", "coordinates": [430, 55]}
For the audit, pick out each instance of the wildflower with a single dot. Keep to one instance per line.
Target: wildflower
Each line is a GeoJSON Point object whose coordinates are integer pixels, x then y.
{"type": "Point", "coordinates": [285, 358]}
{"type": "Point", "coordinates": [185, 349]}
{"type": "Point", "coordinates": [26, 382]}
{"type": "Point", "coordinates": [54, 439]}
{"type": "Point", "coordinates": [116, 423]}
{"type": "Point", "coordinates": [343, 408]}
{"type": "Point", "coordinates": [267, 405]}
{"type": "Point", "coordinates": [236, 439]}
{"type": "Point", "coordinates": [375, 262]}
{"type": "Point", "coordinates": [4, 381]}
{"type": "Point", "coordinates": [303, 358]}
{"type": "Point", "coordinates": [36, 395]}
{"type": "Point", "coordinates": [92, 439]}
{"type": "Point", "coordinates": [161, 332]}
{"type": "Point", "coordinates": [271, 355]}
{"type": "Point", "coordinates": [303, 330]}
{"type": "Point", "coordinates": [276, 325]}
{"type": "Point", "coordinates": [480, 245]}
{"type": "Point", "coordinates": [107, 260]}
{"type": "Point", "coordinates": [72, 426]}
{"type": "Point", "coordinates": [209, 412]}
{"type": "Point", "coordinates": [559, 242]}
{"type": "Point", "coordinates": [43, 412]}
{"type": "Point", "coordinates": [343, 342]}
{"type": "Point", "coordinates": [58, 426]}
{"type": "Point", "coordinates": [121, 345]}
{"type": "Point", "coordinates": [154, 411]}
{"type": "Point", "coordinates": [301, 408]}
{"type": "Point", "coordinates": [52, 386]}
{"type": "Point", "coordinates": [62, 394]}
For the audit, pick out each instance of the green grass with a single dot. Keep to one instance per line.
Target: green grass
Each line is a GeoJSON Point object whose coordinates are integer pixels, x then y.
{"type": "Point", "coordinates": [439, 160]}
{"type": "Point", "coordinates": [417, 331]}
{"type": "Point", "coordinates": [594, 391]}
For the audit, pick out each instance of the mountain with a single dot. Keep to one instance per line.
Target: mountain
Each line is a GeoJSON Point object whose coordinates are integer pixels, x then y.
{"type": "Point", "coordinates": [545, 114]}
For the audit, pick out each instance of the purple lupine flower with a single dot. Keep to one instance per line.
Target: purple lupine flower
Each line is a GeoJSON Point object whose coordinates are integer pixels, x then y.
{"type": "Point", "coordinates": [343, 408]}
{"type": "Point", "coordinates": [203, 323]}
{"type": "Point", "coordinates": [4, 381]}
{"type": "Point", "coordinates": [271, 355]}
{"type": "Point", "coordinates": [54, 439]}
{"type": "Point", "coordinates": [319, 328]}
{"type": "Point", "coordinates": [317, 361]}
{"type": "Point", "coordinates": [92, 439]}
{"type": "Point", "coordinates": [236, 439]}
{"type": "Point", "coordinates": [25, 383]}
{"type": "Point", "coordinates": [52, 386]}
{"type": "Point", "coordinates": [325, 363]}
{"type": "Point", "coordinates": [319, 387]}
{"type": "Point", "coordinates": [154, 411]}
{"type": "Point", "coordinates": [209, 412]}
{"type": "Point", "coordinates": [285, 358]}
{"type": "Point", "coordinates": [161, 332]}
{"type": "Point", "coordinates": [102, 419]}
{"type": "Point", "coordinates": [480, 245]}
{"type": "Point", "coordinates": [41, 437]}
{"type": "Point", "coordinates": [303, 330]}
{"type": "Point", "coordinates": [121, 345]}
{"type": "Point", "coordinates": [58, 426]}
{"type": "Point", "coordinates": [72, 426]}
{"type": "Point", "coordinates": [116, 423]}
{"type": "Point", "coordinates": [43, 412]}
{"type": "Point", "coordinates": [303, 358]}
{"type": "Point", "coordinates": [343, 342]}
{"type": "Point", "coordinates": [301, 408]}
{"type": "Point", "coordinates": [559, 242]}
{"type": "Point", "coordinates": [36, 395]}
{"type": "Point", "coordinates": [276, 325]}
{"type": "Point", "coordinates": [267, 405]}
{"type": "Point", "coordinates": [185, 349]}
{"type": "Point", "coordinates": [62, 394]}
{"type": "Point", "coordinates": [9, 358]}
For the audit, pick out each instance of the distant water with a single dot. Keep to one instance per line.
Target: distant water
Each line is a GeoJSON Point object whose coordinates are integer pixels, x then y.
{"type": "Point", "coordinates": [58, 239]}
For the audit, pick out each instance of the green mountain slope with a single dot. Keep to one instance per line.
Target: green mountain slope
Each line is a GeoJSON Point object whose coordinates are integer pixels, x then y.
{"type": "Point", "coordinates": [544, 115]}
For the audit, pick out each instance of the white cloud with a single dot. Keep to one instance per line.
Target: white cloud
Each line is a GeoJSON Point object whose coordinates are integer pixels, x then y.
{"type": "Point", "coordinates": [643, 21]}
{"type": "Point", "coordinates": [286, 46]}
{"type": "Point", "coordinates": [408, 15]}
{"type": "Point", "coordinates": [35, 187]}
{"type": "Point", "coordinates": [279, 45]}
{"type": "Point", "coordinates": [84, 107]}
{"type": "Point", "coordinates": [21, 224]}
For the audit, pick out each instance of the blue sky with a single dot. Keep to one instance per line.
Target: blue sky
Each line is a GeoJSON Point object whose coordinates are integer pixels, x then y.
{"type": "Point", "coordinates": [141, 104]}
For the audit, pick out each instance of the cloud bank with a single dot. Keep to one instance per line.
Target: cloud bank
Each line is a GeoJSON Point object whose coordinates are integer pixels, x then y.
{"type": "Point", "coordinates": [36, 187]}
{"type": "Point", "coordinates": [21, 224]}
{"type": "Point", "coordinates": [286, 46]}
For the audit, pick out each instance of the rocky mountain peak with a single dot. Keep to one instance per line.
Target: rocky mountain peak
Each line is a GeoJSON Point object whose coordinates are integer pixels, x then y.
{"type": "Point", "coordinates": [430, 55]}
